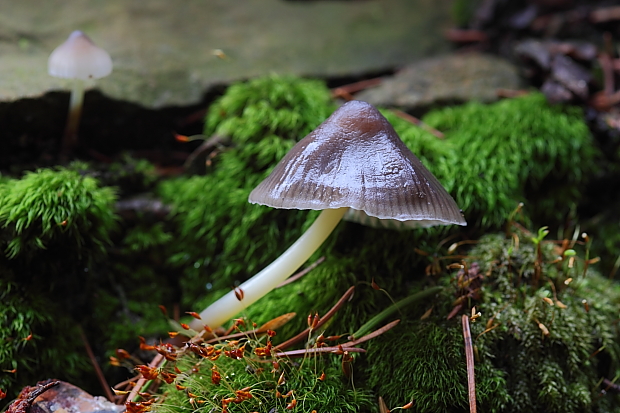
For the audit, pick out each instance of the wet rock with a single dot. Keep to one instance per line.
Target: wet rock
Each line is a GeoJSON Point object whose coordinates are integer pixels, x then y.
{"type": "Point", "coordinates": [169, 52]}
{"type": "Point", "coordinates": [453, 78]}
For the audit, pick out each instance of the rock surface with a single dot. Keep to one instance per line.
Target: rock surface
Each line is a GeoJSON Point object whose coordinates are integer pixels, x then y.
{"type": "Point", "coordinates": [165, 52]}
{"type": "Point", "coordinates": [445, 79]}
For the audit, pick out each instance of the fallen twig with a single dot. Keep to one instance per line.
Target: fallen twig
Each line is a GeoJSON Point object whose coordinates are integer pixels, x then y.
{"type": "Point", "coordinates": [345, 92]}
{"type": "Point", "coordinates": [610, 385]}
{"type": "Point", "coordinates": [204, 148]}
{"type": "Point", "coordinates": [469, 356]}
{"type": "Point", "coordinates": [301, 273]}
{"type": "Point", "coordinates": [273, 324]}
{"type": "Point", "coordinates": [98, 371]}
{"type": "Point", "coordinates": [317, 350]}
{"type": "Point", "coordinates": [418, 122]}
{"type": "Point", "coordinates": [372, 335]}
{"type": "Point", "coordinates": [346, 296]}
{"type": "Point", "coordinates": [466, 36]}
{"type": "Point", "coordinates": [370, 324]}
{"type": "Point", "coordinates": [157, 360]}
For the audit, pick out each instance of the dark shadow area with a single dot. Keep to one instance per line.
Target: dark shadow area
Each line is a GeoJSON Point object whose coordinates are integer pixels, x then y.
{"type": "Point", "coordinates": [33, 127]}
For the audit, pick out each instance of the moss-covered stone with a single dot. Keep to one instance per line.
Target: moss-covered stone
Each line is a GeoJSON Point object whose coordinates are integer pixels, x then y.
{"type": "Point", "coordinates": [492, 158]}
{"type": "Point", "coordinates": [539, 347]}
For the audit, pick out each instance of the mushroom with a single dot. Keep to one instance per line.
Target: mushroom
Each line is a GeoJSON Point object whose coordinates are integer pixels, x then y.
{"type": "Point", "coordinates": [354, 163]}
{"type": "Point", "coordinates": [78, 58]}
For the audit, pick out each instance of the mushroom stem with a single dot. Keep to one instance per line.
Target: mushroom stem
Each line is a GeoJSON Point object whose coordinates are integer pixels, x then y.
{"type": "Point", "coordinates": [73, 119]}
{"type": "Point", "coordinates": [271, 276]}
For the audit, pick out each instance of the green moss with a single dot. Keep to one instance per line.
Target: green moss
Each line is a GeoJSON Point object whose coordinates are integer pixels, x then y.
{"type": "Point", "coordinates": [137, 282]}
{"type": "Point", "coordinates": [310, 383]}
{"type": "Point", "coordinates": [558, 371]}
{"type": "Point", "coordinates": [516, 150]}
{"type": "Point", "coordinates": [427, 365]}
{"type": "Point", "coordinates": [493, 157]}
{"type": "Point", "coordinates": [55, 232]}
{"type": "Point", "coordinates": [284, 106]}
{"type": "Point", "coordinates": [519, 367]}
{"type": "Point", "coordinates": [55, 209]}
{"type": "Point", "coordinates": [37, 340]}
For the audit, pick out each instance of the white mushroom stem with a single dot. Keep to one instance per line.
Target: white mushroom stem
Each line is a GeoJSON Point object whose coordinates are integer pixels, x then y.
{"type": "Point", "coordinates": [75, 111]}
{"type": "Point", "coordinates": [275, 273]}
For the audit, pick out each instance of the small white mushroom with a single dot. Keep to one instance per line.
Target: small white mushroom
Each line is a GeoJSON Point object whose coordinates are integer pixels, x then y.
{"type": "Point", "coordinates": [78, 58]}
{"type": "Point", "coordinates": [353, 162]}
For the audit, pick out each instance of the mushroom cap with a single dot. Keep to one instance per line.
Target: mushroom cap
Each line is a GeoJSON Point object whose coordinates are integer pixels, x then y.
{"type": "Point", "coordinates": [355, 159]}
{"type": "Point", "coordinates": [79, 58]}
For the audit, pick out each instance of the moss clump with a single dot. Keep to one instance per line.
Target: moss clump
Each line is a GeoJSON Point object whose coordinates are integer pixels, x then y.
{"type": "Point", "coordinates": [481, 162]}
{"type": "Point", "coordinates": [426, 364]}
{"type": "Point", "coordinates": [36, 340]}
{"type": "Point", "coordinates": [55, 231]}
{"type": "Point", "coordinates": [56, 210]}
{"type": "Point", "coordinates": [285, 106]}
{"type": "Point", "coordinates": [539, 348]}
{"type": "Point", "coordinates": [555, 349]}
{"type": "Point", "coordinates": [258, 384]}
{"type": "Point", "coordinates": [223, 240]}
{"type": "Point", "coordinates": [516, 150]}
{"type": "Point", "coordinates": [54, 228]}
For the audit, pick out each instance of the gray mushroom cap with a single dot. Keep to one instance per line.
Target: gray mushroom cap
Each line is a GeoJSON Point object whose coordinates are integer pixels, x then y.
{"type": "Point", "coordinates": [79, 58]}
{"type": "Point", "coordinates": [355, 159]}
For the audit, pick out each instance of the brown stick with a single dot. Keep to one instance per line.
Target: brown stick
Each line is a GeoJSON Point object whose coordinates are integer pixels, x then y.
{"type": "Point", "coordinates": [346, 91]}
{"type": "Point", "coordinates": [310, 351]}
{"type": "Point", "coordinates": [418, 122]}
{"type": "Point", "coordinates": [207, 146]}
{"type": "Point", "coordinates": [104, 384]}
{"type": "Point", "coordinates": [469, 356]}
{"type": "Point", "coordinates": [372, 335]}
{"type": "Point", "coordinates": [610, 385]}
{"type": "Point", "coordinates": [301, 273]}
{"type": "Point", "coordinates": [322, 321]}
{"type": "Point", "coordinates": [262, 330]}
{"type": "Point", "coordinates": [605, 14]}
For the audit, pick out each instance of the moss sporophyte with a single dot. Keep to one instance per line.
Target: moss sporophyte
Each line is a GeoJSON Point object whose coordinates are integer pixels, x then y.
{"type": "Point", "coordinates": [245, 370]}
{"type": "Point", "coordinates": [353, 163]}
